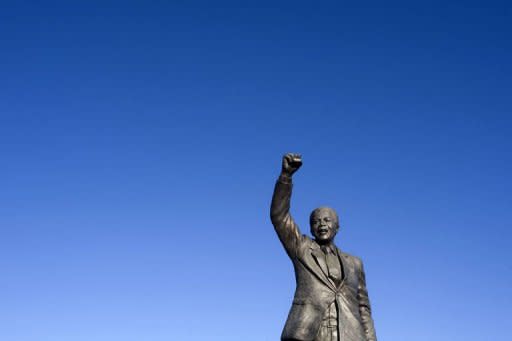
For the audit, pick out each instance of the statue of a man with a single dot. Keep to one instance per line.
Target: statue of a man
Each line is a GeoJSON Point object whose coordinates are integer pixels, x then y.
{"type": "Point", "coordinates": [331, 300]}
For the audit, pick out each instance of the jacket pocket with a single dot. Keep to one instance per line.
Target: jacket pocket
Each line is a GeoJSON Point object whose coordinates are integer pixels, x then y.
{"type": "Point", "coordinates": [301, 301]}
{"type": "Point", "coordinates": [303, 321]}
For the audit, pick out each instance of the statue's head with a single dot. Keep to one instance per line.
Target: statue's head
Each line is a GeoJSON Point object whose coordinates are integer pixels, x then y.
{"type": "Point", "coordinates": [324, 224]}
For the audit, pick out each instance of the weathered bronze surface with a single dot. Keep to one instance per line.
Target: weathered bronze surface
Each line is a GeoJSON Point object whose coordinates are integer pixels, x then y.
{"type": "Point", "coordinates": [331, 301]}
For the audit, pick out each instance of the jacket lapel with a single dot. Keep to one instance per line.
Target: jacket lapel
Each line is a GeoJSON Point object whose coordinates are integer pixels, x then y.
{"type": "Point", "coordinates": [344, 265]}
{"type": "Point", "coordinates": [315, 261]}
{"type": "Point", "coordinates": [319, 257]}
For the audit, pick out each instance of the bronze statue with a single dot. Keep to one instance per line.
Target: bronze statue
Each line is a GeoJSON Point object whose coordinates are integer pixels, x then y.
{"type": "Point", "coordinates": [331, 300]}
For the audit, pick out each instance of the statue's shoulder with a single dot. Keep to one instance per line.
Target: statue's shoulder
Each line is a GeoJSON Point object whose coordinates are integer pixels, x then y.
{"type": "Point", "coordinates": [307, 242]}
{"type": "Point", "coordinates": [354, 259]}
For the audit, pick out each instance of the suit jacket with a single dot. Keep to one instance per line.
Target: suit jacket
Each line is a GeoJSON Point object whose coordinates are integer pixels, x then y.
{"type": "Point", "coordinates": [315, 292]}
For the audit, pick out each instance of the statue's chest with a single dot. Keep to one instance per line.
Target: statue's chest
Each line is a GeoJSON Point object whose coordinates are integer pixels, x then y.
{"type": "Point", "coordinates": [350, 276]}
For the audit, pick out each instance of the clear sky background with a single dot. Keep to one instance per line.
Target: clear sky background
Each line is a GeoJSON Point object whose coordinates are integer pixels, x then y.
{"type": "Point", "coordinates": [140, 142]}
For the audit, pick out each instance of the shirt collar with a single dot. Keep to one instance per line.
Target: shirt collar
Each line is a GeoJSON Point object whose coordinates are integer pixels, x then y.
{"type": "Point", "coordinates": [328, 248]}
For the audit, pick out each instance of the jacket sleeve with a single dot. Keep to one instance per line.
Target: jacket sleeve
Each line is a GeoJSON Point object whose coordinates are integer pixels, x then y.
{"type": "Point", "coordinates": [285, 226]}
{"type": "Point", "coordinates": [364, 306]}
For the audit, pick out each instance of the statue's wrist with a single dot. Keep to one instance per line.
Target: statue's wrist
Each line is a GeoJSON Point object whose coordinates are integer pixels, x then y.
{"type": "Point", "coordinates": [285, 178]}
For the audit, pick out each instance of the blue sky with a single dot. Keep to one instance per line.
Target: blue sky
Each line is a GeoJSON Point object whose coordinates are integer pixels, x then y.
{"type": "Point", "coordinates": [140, 143]}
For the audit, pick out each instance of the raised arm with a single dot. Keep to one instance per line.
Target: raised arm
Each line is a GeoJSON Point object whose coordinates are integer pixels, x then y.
{"type": "Point", "coordinates": [364, 306]}
{"type": "Point", "coordinates": [287, 230]}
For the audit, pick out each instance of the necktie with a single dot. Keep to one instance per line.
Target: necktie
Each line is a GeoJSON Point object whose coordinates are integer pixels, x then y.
{"type": "Point", "coordinates": [333, 265]}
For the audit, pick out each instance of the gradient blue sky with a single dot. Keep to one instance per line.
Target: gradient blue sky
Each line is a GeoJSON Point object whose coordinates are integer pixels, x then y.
{"type": "Point", "coordinates": [140, 142]}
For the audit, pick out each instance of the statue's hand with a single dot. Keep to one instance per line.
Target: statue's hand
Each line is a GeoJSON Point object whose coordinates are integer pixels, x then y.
{"type": "Point", "coordinates": [291, 163]}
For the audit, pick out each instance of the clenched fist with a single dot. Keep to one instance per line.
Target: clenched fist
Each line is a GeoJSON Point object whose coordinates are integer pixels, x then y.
{"type": "Point", "coordinates": [291, 163]}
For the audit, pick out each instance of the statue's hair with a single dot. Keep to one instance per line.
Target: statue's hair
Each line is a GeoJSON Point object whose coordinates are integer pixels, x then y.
{"type": "Point", "coordinates": [332, 211]}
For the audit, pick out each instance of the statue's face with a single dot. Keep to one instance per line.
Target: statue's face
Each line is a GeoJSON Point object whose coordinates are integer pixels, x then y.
{"type": "Point", "coordinates": [324, 225]}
